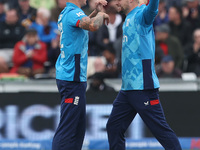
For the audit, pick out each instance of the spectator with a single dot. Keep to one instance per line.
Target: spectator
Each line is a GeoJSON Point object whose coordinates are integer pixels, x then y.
{"type": "Point", "coordinates": [118, 47]}
{"type": "Point", "coordinates": [60, 5]}
{"type": "Point", "coordinates": [192, 13]}
{"type": "Point", "coordinates": [26, 12]}
{"type": "Point", "coordinates": [93, 47]}
{"type": "Point", "coordinates": [179, 27]}
{"type": "Point", "coordinates": [193, 54]}
{"type": "Point", "coordinates": [49, 4]}
{"type": "Point", "coordinates": [112, 65]}
{"type": "Point", "coordinates": [99, 64]}
{"type": "Point", "coordinates": [2, 11]}
{"type": "Point", "coordinates": [11, 32]}
{"type": "Point", "coordinates": [174, 3]}
{"type": "Point", "coordinates": [29, 55]}
{"type": "Point", "coordinates": [159, 54]}
{"type": "Point", "coordinates": [111, 69]}
{"type": "Point", "coordinates": [111, 32]}
{"type": "Point", "coordinates": [12, 4]}
{"type": "Point", "coordinates": [53, 53]}
{"type": "Point", "coordinates": [162, 16]}
{"type": "Point", "coordinates": [97, 84]}
{"type": "Point", "coordinates": [169, 44]}
{"type": "Point", "coordinates": [46, 29]}
{"type": "Point", "coordinates": [168, 69]}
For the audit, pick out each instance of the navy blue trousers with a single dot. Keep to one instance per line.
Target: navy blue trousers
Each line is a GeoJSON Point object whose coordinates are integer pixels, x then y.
{"type": "Point", "coordinates": [71, 129]}
{"type": "Point", "coordinates": [147, 104]}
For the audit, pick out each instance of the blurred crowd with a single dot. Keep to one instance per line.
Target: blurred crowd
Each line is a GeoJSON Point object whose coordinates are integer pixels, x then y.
{"type": "Point", "coordinates": [29, 40]}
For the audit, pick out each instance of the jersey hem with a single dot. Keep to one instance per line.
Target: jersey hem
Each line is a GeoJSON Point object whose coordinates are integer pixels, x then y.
{"type": "Point", "coordinates": [71, 80]}
{"type": "Point", "coordinates": [140, 89]}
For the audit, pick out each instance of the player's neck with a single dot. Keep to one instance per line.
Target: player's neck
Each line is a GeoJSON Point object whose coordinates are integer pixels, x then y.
{"type": "Point", "coordinates": [130, 9]}
{"type": "Point", "coordinates": [76, 2]}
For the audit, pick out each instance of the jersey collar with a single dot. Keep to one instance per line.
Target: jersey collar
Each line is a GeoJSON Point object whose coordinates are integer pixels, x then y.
{"type": "Point", "coordinates": [133, 11]}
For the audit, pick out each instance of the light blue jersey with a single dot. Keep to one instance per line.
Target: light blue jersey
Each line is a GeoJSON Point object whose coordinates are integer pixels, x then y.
{"type": "Point", "coordinates": [71, 64]}
{"type": "Point", "coordinates": [138, 49]}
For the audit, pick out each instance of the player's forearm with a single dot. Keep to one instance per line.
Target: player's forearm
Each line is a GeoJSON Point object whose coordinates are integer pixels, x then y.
{"type": "Point", "coordinates": [98, 20]}
{"type": "Point", "coordinates": [151, 11]}
{"type": "Point", "coordinates": [93, 14]}
{"type": "Point", "coordinates": [92, 24]}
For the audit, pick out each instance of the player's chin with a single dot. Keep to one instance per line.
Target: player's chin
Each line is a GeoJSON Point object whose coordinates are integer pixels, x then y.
{"type": "Point", "coordinates": [119, 9]}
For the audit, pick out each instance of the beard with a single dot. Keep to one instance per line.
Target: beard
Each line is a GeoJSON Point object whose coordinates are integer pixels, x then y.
{"type": "Point", "coordinates": [121, 10]}
{"type": "Point", "coordinates": [111, 10]}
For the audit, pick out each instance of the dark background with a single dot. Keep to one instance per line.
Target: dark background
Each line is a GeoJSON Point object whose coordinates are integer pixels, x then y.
{"type": "Point", "coordinates": [182, 109]}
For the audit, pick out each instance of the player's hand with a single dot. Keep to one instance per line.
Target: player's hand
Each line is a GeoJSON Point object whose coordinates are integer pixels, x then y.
{"type": "Point", "coordinates": [146, 2]}
{"type": "Point", "coordinates": [99, 4]}
{"type": "Point", "coordinates": [106, 19]}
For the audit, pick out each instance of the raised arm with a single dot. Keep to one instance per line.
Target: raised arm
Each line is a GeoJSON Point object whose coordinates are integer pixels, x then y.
{"type": "Point", "coordinates": [93, 24]}
{"type": "Point", "coordinates": [77, 18]}
{"type": "Point", "coordinates": [99, 4]}
{"type": "Point", "coordinates": [151, 11]}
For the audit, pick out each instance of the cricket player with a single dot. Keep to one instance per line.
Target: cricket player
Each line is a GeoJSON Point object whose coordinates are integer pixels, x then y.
{"type": "Point", "coordinates": [139, 92]}
{"type": "Point", "coordinates": [71, 68]}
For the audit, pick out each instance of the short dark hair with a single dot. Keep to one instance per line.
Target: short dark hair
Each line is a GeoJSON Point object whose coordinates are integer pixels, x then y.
{"type": "Point", "coordinates": [178, 9]}
{"type": "Point", "coordinates": [17, 13]}
{"type": "Point", "coordinates": [161, 1]}
{"type": "Point", "coordinates": [109, 47]}
{"type": "Point", "coordinates": [31, 31]}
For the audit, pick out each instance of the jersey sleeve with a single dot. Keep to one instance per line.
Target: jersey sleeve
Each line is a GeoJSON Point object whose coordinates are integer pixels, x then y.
{"type": "Point", "coordinates": [75, 16]}
{"type": "Point", "coordinates": [150, 12]}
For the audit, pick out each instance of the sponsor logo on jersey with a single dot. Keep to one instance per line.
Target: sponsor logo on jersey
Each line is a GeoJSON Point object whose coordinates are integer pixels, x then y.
{"type": "Point", "coordinates": [80, 14]}
{"type": "Point", "coordinates": [125, 38]}
{"type": "Point", "coordinates": [62, 54]}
